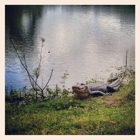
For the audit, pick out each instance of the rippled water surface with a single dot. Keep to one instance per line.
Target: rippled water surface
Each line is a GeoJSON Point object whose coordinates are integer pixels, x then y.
{"type": "Point", "coordinates": [87, 41]}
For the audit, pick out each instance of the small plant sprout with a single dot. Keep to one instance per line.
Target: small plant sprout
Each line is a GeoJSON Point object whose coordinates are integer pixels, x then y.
{"type": "Point", "coordinates": [36, 71]}
{"type": "Point", "coordinates": [43, 40]}
{"type": "Point", "coordinates": [64, 77]}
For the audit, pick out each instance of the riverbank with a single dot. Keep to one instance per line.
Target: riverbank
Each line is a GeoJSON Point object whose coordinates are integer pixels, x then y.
{"type": "Point", "coordinates": [107, 115]}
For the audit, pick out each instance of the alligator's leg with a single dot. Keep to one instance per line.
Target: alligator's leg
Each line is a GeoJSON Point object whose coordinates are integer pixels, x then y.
{"type": "Point", "coordinates": [110, 89]}
{"type": "Point", "coordinates": [115, 82]}
{"type": "Point", "coordinates": [115, 85]}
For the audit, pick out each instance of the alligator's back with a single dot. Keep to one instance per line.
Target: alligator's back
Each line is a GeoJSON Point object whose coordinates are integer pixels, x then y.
{"type": "Point", "coordinates": [104, 87]}
{"type": "Point", "coordinates": [98, 87]}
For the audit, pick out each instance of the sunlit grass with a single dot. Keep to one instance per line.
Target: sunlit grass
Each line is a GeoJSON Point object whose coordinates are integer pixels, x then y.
{"type": "Point", "coordinates": [107, 115]}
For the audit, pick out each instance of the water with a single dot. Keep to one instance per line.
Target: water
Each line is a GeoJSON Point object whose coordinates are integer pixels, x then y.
{"type": "Point", "coordinates": [86, 41]}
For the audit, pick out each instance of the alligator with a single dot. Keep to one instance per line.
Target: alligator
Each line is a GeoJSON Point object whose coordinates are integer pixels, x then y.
{"type": "Point", "coordinates": [95, 89]}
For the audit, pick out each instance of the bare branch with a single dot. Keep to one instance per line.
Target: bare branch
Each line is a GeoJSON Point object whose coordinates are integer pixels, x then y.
{"type": "Point", "coordinates": [33, 80]}
{"type": "Point", "coordinates": [48, 79]}
{"type": "Point", "coordinates": [32, 84]}
{"type": "Point", "coordinates": [24, 65]}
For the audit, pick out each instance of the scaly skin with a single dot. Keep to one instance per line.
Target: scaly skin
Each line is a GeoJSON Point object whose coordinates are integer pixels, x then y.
{"type": "Point", "coordinates": [95, 89]}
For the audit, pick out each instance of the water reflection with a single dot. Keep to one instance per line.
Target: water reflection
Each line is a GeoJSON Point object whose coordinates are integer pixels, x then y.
{"type": "Point", "coordinates": [85, 40]}
{"type": "Point", "coordinates": [25, 21]}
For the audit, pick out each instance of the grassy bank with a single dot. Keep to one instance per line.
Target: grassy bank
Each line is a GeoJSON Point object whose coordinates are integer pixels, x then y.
{"type": "Point", "coordinates": [107, 115]}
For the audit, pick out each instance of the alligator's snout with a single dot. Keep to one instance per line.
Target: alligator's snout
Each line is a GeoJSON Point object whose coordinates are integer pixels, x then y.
{"type": "Point", "coordinates": [78, 89]}
{"type": "Point", "coordinates": [75, 88]}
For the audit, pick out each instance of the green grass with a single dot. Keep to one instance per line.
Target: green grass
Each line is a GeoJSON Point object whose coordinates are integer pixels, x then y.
{"type": "Point", "coordinates": [107, 115]}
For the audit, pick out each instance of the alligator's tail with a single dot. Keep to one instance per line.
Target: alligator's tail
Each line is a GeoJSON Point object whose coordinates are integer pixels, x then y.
{"type": "Point", "coordinates": [116, 84]}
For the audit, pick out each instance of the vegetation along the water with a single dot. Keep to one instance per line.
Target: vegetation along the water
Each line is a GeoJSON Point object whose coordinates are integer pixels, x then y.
{"type": "Point", "coordinates": [62, 114]}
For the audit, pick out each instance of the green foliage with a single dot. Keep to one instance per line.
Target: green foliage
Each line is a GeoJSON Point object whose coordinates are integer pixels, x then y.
{"type": "Point", "coordinates": [105, 115]}
{"type": "Point", "coordinates": [91, 81]}
{"type": "Point", "coordinates": [26, 97]}
{"type": "Point", "coordinates": [64, 77]}
{"type": "Point", "coordinates": [60, 104]}
{"type": "Point", "coordinates": [62, 115]}
{"type": "Point", "coordinates": [36, 72]}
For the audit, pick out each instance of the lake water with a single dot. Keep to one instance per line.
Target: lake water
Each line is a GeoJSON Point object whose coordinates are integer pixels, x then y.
{"type": "Point", "coordinates": [86, 41]}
